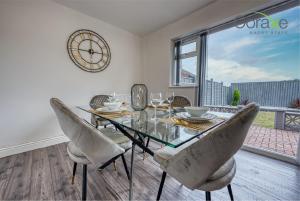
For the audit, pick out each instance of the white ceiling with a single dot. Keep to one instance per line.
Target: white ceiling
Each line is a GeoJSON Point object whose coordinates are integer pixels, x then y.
{"type": "Point", "coordinates": [136, 16]}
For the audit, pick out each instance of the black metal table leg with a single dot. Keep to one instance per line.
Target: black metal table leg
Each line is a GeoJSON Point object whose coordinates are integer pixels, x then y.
{"type": "Point", "coordinates": [135, 141]}
{"type": "Point", "coordinates": [131, 172]}
{"type": "Point", "coordinates": [163, 177]}
{"type": "Point", "coordinates": [125, 166]}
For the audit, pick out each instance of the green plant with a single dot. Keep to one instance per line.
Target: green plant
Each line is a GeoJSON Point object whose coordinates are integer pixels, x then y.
{"type": "Point", "coordinates": [236, 97]}
{"type": "Point", "coordinates": [296, 103]}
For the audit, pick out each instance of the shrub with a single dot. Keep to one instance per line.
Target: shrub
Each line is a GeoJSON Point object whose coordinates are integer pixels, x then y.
{"type": "Point", "coordinates": [236, 97]}
{"type": "Point", "coordinates": [296, 103]}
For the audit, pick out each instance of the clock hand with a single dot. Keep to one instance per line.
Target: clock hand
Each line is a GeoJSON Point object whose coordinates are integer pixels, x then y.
{"type": "Point", "coordinates": [98, 53]}
{"type": "Point", "coordinates": [89, 51]}
{"type": "Point", "coordinates": [83, 50]}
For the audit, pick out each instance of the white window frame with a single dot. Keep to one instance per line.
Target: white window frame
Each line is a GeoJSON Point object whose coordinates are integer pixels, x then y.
{"type": "Point", "coordinates": [175, 82]}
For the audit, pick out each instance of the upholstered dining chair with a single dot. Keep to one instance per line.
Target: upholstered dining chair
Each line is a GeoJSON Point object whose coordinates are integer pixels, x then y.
{"type": "Point", "coordinates": [180, 101]}
{"type": "Point", "coordinates": [88, 144]}
{"type": "Point", "coordinates": [96, 102]}
{"type": "Point", "coordinates": [207, 163]}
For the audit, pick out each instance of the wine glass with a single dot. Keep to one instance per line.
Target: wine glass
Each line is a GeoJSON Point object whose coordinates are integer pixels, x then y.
{"type": "Point", "coordinates": [156, 100]}
{"type": "Point", "coordinates": [170, 99]}
{"type": "Point", "coordinates": [112, 97]}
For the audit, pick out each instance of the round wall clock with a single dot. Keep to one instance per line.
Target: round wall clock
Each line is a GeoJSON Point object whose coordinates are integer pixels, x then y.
{"type": "Point", "coordinates": [88, 50]}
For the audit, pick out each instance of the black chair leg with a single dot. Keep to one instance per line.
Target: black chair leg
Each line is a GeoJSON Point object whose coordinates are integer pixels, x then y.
{"type": "Point", "coordinates": [84, 182]}
{"type": "Point", "coordinates": [108, 163]}
{"type": "Point", "coordinates": [74, 172]}
{"type": "Point", "coordinates": [230, 192]}
{"type": "Point", "coordinates": [207, 195]}
{"type": "Point", "coordinates": [161, 185]}
{"type": "Point", "coordinates": [125, 166]}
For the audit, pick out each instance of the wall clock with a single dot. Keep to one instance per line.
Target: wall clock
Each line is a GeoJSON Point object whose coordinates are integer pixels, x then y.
{"type": "Point", "coordinates": [88, 50]}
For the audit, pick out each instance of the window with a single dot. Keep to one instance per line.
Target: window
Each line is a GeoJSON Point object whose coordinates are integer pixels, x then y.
{"type": "Point", "coordinates": [255, 60]}
{"type": "Point", "coordinates": [185, 63]}
{"type": "Point", "coordinates": [190, 63]}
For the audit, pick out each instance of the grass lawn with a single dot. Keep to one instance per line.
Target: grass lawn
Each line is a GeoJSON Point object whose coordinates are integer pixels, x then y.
{"type": "Point", "coordinates": [265, 119]}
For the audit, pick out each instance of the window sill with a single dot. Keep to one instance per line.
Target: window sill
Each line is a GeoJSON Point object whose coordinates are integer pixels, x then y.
{"type": "Point", "coordinates": [183, 86]}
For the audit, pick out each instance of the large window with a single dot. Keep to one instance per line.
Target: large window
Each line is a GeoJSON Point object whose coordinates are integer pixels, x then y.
{"type": "Point", "coordinates": [185, 63]}
{"type": "Point", "coordinates": [258, 58]}
{"type": "Point", "coordinates": [251, 59]}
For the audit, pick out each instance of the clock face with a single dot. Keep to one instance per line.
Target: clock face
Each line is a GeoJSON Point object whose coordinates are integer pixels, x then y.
{"type": "Point", "coordinates": [89, 51]}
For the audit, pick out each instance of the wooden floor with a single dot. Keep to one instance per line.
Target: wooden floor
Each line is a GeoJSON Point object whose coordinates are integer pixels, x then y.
{"type": "Point", "coordinates": [44, 174]}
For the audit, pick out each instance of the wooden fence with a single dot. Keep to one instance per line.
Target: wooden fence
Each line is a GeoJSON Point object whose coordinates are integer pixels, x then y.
{"type": "Point", "coordinates": [275, 94]}
{"type": "Point", "coordinates": [216, 93]}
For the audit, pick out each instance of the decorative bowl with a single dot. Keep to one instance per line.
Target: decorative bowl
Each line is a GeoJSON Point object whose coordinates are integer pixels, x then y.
{"type": "Point", "coordinates": [196, 111]}
{"type": "Point", "coordinates": [112, 105]}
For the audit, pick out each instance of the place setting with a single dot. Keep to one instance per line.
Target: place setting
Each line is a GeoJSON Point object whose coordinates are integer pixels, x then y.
{"type": "Point", "coordinates": [114, 107]}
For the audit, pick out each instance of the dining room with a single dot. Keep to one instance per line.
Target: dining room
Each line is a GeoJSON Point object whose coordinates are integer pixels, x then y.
{"type": "Point", "coordinates": [150, 100]}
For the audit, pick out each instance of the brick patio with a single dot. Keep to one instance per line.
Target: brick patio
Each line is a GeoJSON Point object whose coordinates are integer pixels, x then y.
{"type": "Point", "coordinates": [280, 141]}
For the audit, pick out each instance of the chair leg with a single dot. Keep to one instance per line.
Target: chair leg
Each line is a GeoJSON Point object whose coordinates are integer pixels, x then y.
{"type": "Point", "coordinates": [207, 196]}
{"type": "Point", "coordinates": [161, 185]}
{"type": "Point", "coordinates": [108, 163]}
{"type": "Point", "coordinates": [84, 182]}
{"type": "Point", "coordinates": [115, 166]}
{"type": "Point", "coordinates": [230, 192]}
{"type": "Point", "coordinates": [74, 172]}
{"type": "Point", "coordinates": [147, 144]}
{"type": "Point", "coordinates": [125, 166]}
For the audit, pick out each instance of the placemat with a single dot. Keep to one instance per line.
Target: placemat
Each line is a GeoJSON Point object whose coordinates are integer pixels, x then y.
{"type": "Point", "coordinates": [111, 115]}
{"type": "Point", "coordinates": [195, 126]}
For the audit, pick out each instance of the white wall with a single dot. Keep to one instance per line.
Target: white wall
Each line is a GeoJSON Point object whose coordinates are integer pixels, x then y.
{"type": "Point", "coordinates": [157, 46]}
{"type": "Point", "coordinates": [35, 66]}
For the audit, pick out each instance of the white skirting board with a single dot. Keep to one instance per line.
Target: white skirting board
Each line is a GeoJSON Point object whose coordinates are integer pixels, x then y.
{"type": "Point", "coordinates": [16, 149]}
{"type": "Point", "coordinates": [271, 154]}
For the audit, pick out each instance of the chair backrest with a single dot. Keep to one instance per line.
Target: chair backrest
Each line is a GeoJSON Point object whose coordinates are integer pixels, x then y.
{"type": "Point", "coordinates": [139, 96]}
{"type": "Point", "coordinates": [98, 101]}
{"type": "Point", "coordinates": [181, 101]}
{"type": "Point", "coordinates": [95, 145]}
{"type": "Point", "coordinates": [202, 158]}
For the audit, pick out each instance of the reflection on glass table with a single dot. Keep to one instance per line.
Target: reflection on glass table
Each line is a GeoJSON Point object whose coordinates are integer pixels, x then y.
{"type": "Point", "coordinates": [162, 130]}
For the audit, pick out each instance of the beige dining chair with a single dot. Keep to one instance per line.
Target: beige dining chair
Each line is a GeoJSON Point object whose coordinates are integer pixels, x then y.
{"type": "Point", "coordinates": [207, 163]}
{"type": "Point", "coordinates": [181, 101]}
{"type": "Point", "coordinates": [88, 144]}
{"type": "Point", "coordinates": [95, 103]}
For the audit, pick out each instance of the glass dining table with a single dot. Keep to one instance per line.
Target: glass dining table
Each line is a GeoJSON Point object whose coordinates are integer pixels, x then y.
{"type": "Point", "coordinates": [141, 125]}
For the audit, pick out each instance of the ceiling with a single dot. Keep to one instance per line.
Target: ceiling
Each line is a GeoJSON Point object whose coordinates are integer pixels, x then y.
{"type": "Point", "coordinates": [136, 16]}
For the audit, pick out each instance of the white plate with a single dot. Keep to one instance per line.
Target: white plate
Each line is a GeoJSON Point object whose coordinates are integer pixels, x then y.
{"type": "Point", "coordinates": [106, 109]}
{"type": "Point", "coordinates": [186, 116]}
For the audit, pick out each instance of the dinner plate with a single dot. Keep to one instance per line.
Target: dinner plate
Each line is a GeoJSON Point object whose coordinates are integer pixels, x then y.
{"type": "Point", "coordinates": [203, 118]}
{"type": "Point", "coordinates": [107, 110]}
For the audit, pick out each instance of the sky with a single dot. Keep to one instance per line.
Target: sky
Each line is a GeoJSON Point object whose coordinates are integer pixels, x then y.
{"type": "Point", "coordinates": [243, 55]}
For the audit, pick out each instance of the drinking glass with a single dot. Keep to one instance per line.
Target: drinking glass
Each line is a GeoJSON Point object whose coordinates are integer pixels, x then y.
{"type": "Point", "coordinates": [156, 100]}
{"type": "Point", "coordinates": [112, 97]}
{"type": "Point", "coordinates": [170, 99]}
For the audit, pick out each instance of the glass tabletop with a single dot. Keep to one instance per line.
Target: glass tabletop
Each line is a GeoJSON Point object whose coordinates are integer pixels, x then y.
{"type": "Point", "coordinates": [161, 130]}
